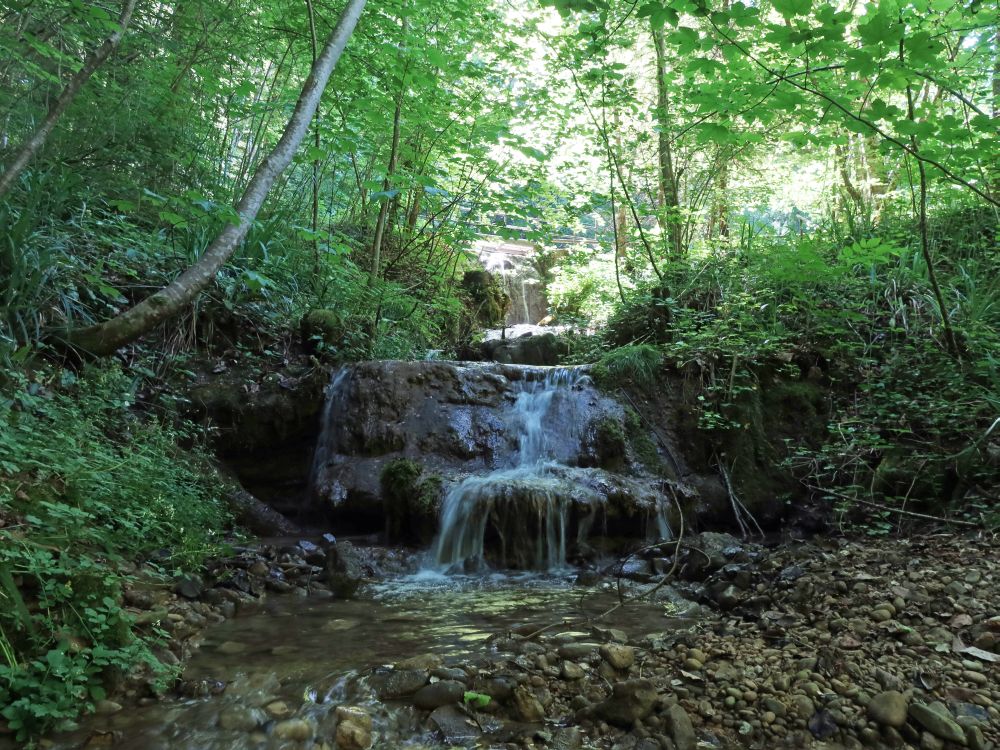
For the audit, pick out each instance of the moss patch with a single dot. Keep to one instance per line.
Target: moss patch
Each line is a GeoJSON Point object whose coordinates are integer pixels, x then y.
{"type": "Point", "coordinates": [411, 500]}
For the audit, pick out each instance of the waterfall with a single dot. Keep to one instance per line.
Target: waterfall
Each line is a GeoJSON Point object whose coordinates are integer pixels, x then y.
{"type": "Point", "coordinates": [526, 504]}
{"type": "Point", "coordinates": [336, 392]}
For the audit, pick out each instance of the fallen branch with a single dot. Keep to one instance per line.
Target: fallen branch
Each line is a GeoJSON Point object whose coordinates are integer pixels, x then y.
{"type": "Point", "coordinates": [880, 506]}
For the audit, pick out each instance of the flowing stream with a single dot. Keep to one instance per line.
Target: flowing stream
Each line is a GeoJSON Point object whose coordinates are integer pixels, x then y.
{"type": "Point", "coordinates": [317, 654]}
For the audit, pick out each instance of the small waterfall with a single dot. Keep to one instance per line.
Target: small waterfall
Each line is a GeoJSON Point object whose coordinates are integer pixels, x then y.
{"type": "Point", "coordinates": [336, 392]}
{"type": "Point", "coordinates": [526, 505]}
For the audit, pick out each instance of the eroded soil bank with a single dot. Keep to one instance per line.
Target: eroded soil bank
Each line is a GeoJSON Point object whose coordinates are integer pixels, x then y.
{"type": "Point", "coordinates": [828, 643]}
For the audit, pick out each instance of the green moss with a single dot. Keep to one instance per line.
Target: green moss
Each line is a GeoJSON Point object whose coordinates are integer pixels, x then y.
{"type": "Point", "coordinates": [411, 500]}
{"type": "Point", "coordinates": [486, 296]}
{"type": "Point", "coordinates": [641, 444]}
{"type": "Point", "coordinates": [609, 443]}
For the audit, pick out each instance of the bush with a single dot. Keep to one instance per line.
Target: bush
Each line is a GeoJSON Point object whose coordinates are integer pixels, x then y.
{"type": "Point", "coordinates": [87, 488]}
{"type": "Point", "coordinates": [638, 363]}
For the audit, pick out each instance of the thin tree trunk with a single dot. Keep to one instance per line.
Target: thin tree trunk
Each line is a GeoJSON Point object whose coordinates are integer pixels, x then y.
{"type": "Point", "coordinates": [317, 142]}
{"type": "Point", "coordinates": [105, 338]}
{"type": "Point", "coordinates": [925, 250]}
{"type": "Point", "coordinates": [91, 63]}
{"type": "Point", "coordinates": [390, 170]}
{"type": "Point", "coordinates": [668, 180]}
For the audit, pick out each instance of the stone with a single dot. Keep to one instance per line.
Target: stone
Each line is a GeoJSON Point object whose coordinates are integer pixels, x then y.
{"type": "Point", "coordinates": [344, 569]}
{"type": "Point", "coordinates": [618, 656]}
{"type": "Point", "coordinates": [354, 728]}
{"type": "Point", "coordinates": [239, 719]}
{"type": "Point", "coordinates": [527, 706]}
{"type": "Point", "coordinates": [231, 648]}
{"type": "Point", "coordinates": [937, 723]}
{"type": "Point", "coordinates": [398, 683]}
{"type": "Point", "coordinates": [106, 707]}
{"type": "Point", "coordinates": [278, 710]}
{"type": "Point", "coordinates": [190, 587]}
{"type": "Point", "coordinates": [298, 730]}
{"type": "Point", "coordinates": [629, 702]}
{"type": "Point", "coordinates": [438, 694]}
{"type": "Point", "coordinates": [455, 727]}
{"type": "Point", "coordinates": [572, 671]}
{"type": "Point", "coordinates": [681, 728]}
{"type": "Point", "coordinates": [421, 661]}
{"type": "Point", "coordinates": [889, 708]}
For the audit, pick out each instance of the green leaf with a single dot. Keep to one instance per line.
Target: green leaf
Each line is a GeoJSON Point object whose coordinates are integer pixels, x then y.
{"type": "Point", "coordinates": [792, 8]}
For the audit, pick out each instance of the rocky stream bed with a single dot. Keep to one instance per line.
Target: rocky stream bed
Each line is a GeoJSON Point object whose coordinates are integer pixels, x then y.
{"type": "Point", "coordinates": [828, 643]}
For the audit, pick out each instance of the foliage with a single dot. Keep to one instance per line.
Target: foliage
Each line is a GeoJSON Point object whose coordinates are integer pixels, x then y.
{"type": "Point", "coordinates": [86, 488]}
{"type": "Point", "coordinates": [638, 363]}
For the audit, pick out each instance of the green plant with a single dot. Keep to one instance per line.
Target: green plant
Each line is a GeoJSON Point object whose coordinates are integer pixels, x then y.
{"type": "Point", "coordinates": [87, 488]}
{"type": "Point", "coordinates": [639, 363]}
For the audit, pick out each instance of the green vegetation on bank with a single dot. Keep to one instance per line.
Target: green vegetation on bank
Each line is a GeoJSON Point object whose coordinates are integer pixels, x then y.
{"type": "Point", "coordinates": [89, 489]}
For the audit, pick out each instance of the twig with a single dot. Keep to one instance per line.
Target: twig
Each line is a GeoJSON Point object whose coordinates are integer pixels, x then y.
{"type": "Point", "coordinates": [740, 511]}
{"type": "Point", "coordinates": [925, 516]}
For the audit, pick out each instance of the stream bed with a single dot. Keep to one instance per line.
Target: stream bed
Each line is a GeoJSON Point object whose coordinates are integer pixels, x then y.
{"type": "Point", "coordinates": [312, 655]}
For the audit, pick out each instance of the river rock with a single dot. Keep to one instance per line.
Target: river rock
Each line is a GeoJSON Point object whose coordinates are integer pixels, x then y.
{"type": "Point", "coordinates": [239, 719]}
{"type": "Point", "coordinates": [438, 694]}
{"type": "Point", "coordinates": [527, 706]}
{"type": "Point", "coordinates": [572, 671]}
{"type": "Point", "coordinates": [298, 730]}
{"type": "Point", "coordinates": [455, 727]}
{"type": "Point", "coordinates": [618, 656]}
{"type": "Point", "coordinates": [681, 728]}
{"type": "Point", "coordinates": [398, 683]}
{"type": "Point", "coordinates": [421, 661]}
{"type": "Point", "coordinates": [629, 702]}
{"type": "Point", "coordinates": [889, 708]}
{"type": "Point", "coordinates": [937, 723]}
{"type": "Point", "coordinates": [344, 569]}
{"type": "Point", "coordinates": [354, 728]}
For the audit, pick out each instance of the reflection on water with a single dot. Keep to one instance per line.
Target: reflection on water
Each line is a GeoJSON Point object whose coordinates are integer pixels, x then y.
{"type": "Point", "coordinates": [309, 654]}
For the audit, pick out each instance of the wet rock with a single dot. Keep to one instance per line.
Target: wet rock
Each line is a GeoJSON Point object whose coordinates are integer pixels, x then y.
{"type": "Point", "coordinates": [190, 587]}
{"type": "Point", "coordinates": [889, 708]}
{"type": "Point", "coordinates": [937, 723]}
{"type": "Point", "coordinates": [527, 706]}
{"type": "Point", "coordinates": [398, 683]}
{"type": "Point", "coordinates": [618, 656]}
{"type": "Point", "coordinates": [239, 719]}
{"type": "Point", "coordinates": [455, 726]}
{"type": "Point", "coordinates": [344, 569]}
{"type": "Point", "coordinates": [106, 707]}
{"type": "Point", "coordinates": [629, 702]}
{"type": "Point", "coordinates": [298, 730]}
{"type": "Point", "coordinates": [231, 648]}
{"type": "Point", "coordinates": [354, 728]}
{"type": "Point", "coordinates": [570, 738]}
{"type": "Point", "coordinates": [278, 710]}
{"type": "Point", "coordinates": [438, 694]}
{"type": "Point", "coordinates": [421, 661]}
{"type": "Point", "coordinates": [572, 671]}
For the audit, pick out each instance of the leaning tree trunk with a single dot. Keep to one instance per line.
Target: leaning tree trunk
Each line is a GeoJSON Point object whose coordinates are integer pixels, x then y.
{"type": "Point", "coordinates": [105, 338]}
{"type": "Point", "coordinates": [26, 152]}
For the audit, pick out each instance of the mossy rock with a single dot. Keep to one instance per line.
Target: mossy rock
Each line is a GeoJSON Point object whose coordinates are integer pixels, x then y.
{"type": "Point", "coordinates": [411, 500]}
{"type": "Point", "coordinates": [608, 442]}
{"type": "Point", "coordinates": [487, 297]}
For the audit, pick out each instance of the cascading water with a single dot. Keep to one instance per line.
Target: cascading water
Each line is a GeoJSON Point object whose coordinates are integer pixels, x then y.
{"type": "Point", "coordinates": [335, 394]}
{"type": "Point", "coordinates": [526, 505]}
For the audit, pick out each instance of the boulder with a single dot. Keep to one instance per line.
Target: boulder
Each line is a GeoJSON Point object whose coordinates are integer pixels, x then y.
{"type": "Point", "coordinates": [629, 702]}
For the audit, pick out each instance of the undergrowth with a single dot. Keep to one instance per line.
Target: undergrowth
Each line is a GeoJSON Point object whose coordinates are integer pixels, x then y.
{"type": "Point", "coordinates": [88, 488]}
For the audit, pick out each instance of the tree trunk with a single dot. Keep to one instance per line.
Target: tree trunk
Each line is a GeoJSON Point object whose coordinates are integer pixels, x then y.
{"type": "Point", "coordinates": [26, 152]}
{"type": "Point", "coordinates": [389, 172]}
{"type": "Point", "coordinates": [105, 338]}
{"type": "Point", "coordinates": [667, 178]}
